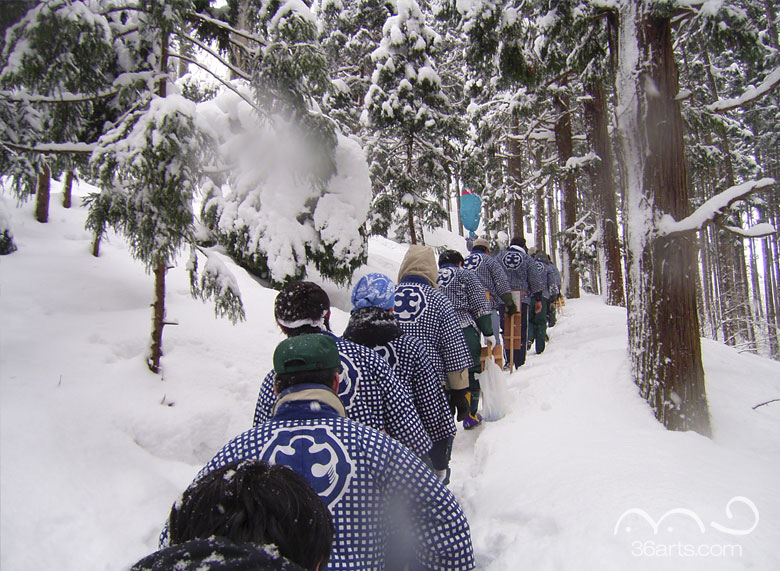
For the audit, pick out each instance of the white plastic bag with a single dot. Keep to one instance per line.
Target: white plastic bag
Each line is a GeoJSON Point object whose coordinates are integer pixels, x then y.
{"type": "Point", "coordinates": [495, 395]}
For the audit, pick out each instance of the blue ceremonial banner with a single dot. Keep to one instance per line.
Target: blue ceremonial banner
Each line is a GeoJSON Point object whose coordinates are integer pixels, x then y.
{"type": "Point", "coordinates": [470, 210]}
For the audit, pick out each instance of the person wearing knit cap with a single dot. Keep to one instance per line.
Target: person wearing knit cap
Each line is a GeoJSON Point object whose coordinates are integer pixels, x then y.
{"type": "Point", "coordinates": [426, 313]}
{"type": "Point", "coordinates": [371, 484]}
{"type": "Point", "coordinates": [463, 288]}
{"type": "Point", "coordinates": [493, 279]}
{"type": "Point", "coordinates": [369, 389]}
{"type": "Point", "coordinates": [373, 324]}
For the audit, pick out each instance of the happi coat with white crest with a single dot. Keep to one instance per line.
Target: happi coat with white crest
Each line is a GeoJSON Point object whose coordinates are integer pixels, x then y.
{"type": "Point", "coordinates": [371, 393]}
{"type": "Point", "coordinates": [426, 314]}
{"type": "Point", "coordinates": [379, 329]}
{"type": "Point", "coordinates": [358, 472]}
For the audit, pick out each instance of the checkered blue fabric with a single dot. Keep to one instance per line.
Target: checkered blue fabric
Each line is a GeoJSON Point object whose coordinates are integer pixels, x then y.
{"type": "Point", "coordinates": [553, 279]}
{"type": "Point", "coordinates": [358, 471]}
{"type": "Point", "coordinates": [550, 277]}
{"type": "Point", "coordinates": [411, 363]}
{"type": "Point", "coordinates": [522, 271]}
{"type": "Point", "coordinates": [490, 273]}
{"type": "Point", "coordinates": [427, 314]}
{"type": "Point", "coordinates": [371, 394]}
{"type": "Point", "coordinates": [466, 293]}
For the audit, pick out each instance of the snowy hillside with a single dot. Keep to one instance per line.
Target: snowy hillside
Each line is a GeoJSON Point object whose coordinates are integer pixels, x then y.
{"type": "Point", "coordinates": [579, 475]}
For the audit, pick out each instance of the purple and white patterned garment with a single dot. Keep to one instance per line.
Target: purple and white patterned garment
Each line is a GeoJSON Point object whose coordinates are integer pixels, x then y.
{"type": "Point", "coordinates": [358, 472]}
{"type": "Point", "coordinates": [411, 362]}
{"type": "Point", "coordinates": [490, 273]}
{"type": "Point", "coordinates": [371, 394]}
{"type": "Point", "coordinates": [428, 315]}
{"type": "Point", "coordinates": [466, 293]}
{"type": "Point", "coordinates": [522, 271]}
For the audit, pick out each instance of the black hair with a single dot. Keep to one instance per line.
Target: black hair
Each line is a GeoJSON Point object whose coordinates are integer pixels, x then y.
{"type": "Point", "coordinates": [517, 241]}
{"type": "Point", "coordinates": [450, 257]}
{"type": "Point", "coordinates": [321, 376]}
{"type": "Point", "coordinates": [302, 300]}
{"type": "Point", "coordinates": [251, 501]}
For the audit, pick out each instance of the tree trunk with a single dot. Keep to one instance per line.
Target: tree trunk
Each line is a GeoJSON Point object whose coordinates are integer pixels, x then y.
{"type": "Point", "coordinates": [754, 279]}
{"type": "Point", "coordinates": [161, 267]}
{"type": "Point", "coordinates": [737, 296]}
{"type": "Point", "coordinates": [707, 289]}
{"type": "Point", "coordinates": [42, 195]}
{"type": "Point", "coordinates": [515, 169]}
{"type": "Point", "coordinates": [410, 207]}
{"type": "Point", "coordinates": [67, 189]}
{"type": "Point", "coordinates": [237, 54]}
{"type": "Point", "coordinates": [563, 142]}
{"type": "Point", "coordinates": [771, 15]}
{"type": "Point", "coordinates": [663, 322]}
{"type": "Point", "coordinates": [541, 214]}
{"type": "Point", "coordinates": [552, 220]}
{"type": "Point", "coordinates": [604, 193]}
{"type": "Point", "coordinates": [770, 289]}
{"type": "Point", "coordinates": [96, 244]}
{"type": "Point", "coordinates": [158, 319]}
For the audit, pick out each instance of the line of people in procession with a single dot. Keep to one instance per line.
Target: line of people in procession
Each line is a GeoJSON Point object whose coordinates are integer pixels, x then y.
{"type": "Point", "coordinates": [366, 419]}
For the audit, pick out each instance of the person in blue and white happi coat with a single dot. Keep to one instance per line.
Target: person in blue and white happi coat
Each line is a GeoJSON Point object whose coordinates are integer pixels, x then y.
{"type": "Point", "coordinates": [372, 323]}
{"type": "Point", "coordinates": [494, 280]}
{"type": "Point", "coordinates": [369, 389]}
{"type": "Point", "coordinates": [537, 324]}
{"type": "Point", "coordinates": [426, 314]}
{"type": "Point", "coordinates": [527, 282]}
{"type": "Point", "coordinates": [467, 295]}
{"type": "Point", "coordinates": [371, 484]}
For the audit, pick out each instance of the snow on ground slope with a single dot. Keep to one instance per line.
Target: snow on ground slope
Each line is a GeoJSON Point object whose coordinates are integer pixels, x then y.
{"type": "Point", "coordinates": [94, 448]}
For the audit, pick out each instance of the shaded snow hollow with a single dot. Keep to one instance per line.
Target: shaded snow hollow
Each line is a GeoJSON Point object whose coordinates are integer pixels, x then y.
{"type": "Point", "coordinates": [578, 475]}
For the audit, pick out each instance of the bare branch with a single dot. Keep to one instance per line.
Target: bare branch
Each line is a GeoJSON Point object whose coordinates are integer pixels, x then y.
{"type": "Point", "coordinates": [767, 402]}
{"type": "Point", "coordinates": [218, 78]}
{"type": "Point", "coordinates": [240, 73]}
{"type": "Point", "coordinates": [224, 26]}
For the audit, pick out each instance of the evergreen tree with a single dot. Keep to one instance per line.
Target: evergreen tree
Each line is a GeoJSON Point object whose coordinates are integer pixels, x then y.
{"type": "Point", "coordinates": [409, 110]}
{"type": "Point", "coordinates": [70, 65]}
{"type": "Point", "coordinates": [294, 169]}
{"type": "Point", "coordinates": [663, 322]}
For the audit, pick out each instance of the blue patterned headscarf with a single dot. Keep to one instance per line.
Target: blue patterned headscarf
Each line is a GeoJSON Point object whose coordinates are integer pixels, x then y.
{"type": "Point", "coordinates": [374, 290]}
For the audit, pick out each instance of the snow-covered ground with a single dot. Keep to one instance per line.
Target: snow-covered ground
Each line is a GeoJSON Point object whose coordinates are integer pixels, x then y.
{"type": "Point", "coordinates": [578, 475]}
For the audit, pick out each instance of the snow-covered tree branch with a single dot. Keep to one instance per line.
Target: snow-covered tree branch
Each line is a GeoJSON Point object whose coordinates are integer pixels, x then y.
{"type": "Point", "coordinates": [709, 211]}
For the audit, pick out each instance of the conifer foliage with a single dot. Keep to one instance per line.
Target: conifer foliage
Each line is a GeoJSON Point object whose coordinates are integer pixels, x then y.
{"type": "Point", "coordinates": [407, 106]}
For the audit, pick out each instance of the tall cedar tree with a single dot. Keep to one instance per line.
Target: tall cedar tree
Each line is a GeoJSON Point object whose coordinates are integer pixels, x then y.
{"type": "Point", "coordinates": [407, 106]}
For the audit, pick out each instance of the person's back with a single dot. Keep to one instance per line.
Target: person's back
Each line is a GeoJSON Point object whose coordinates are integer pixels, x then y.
{"type": "Point", "coordinates": [368, 387]}
{"type": "Point", "coordinates": [489, 272]}
{"type": "Point", "coordinates": [466, 293]}
{"type": "Point", "coordinates": [358, 472]}
{"type": "Point", "coordinates": [426, 314]}
{"type": "Point", "coordinates": [371, 393]}
{"type": "Point", "coordinates": [373, 324]}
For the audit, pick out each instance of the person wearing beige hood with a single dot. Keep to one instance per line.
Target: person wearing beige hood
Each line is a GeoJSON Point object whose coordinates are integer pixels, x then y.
{"type": "Point", "coordinates": [426, 313]}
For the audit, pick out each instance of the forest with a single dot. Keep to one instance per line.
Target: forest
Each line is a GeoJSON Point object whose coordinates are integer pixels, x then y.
{"type": "Point", "coordinates": [636, 141]}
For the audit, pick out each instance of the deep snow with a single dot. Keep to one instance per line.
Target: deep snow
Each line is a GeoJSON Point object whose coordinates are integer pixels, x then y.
{"type": "Point", "coordinates": [95, 448]}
